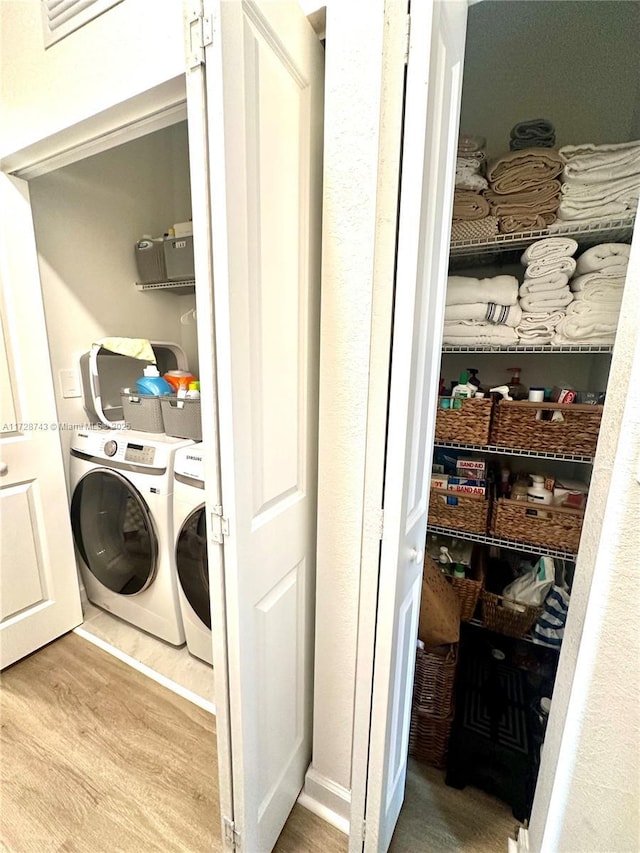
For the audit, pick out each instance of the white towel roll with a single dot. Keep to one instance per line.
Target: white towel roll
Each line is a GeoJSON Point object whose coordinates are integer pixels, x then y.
{"type": "Point", "coordinates": [550, 247]}
{"type": "Point", "coordinates": [610, 257]}
{"type": "Point", "coordinates": [553, 281]}
{"type": "Point", "coordinates": [544, 266]}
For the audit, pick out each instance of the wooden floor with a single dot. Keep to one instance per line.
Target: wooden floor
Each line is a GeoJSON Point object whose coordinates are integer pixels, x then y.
{"type": "Point", "coordinates": [97, 758]}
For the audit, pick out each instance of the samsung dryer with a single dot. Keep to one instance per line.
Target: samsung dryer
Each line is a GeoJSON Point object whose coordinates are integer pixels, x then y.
{"type": "Point", "coordinates": [121, 515]}
{"type": "Point", "coordinates": [192, 563]}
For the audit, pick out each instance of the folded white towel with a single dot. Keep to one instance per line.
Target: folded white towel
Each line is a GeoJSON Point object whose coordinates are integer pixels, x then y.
{"type": "Point", "coordinates": [483, 312]}
{"type": "Point", "coordinates": [541, 268]}
{"type": "Point", "coordinates": [546, 302]}
{"type": "Point", "coordinates": [501, 289]}
{"type": "Point", "coordinates": [550, 247]}
{"type": "Point", "coordinates": [597, 279]}
{"type": "Point", "coordinates": [587, 309]}
{"type": "Point", "coordinates": [607, 257]}
{"type": "Point", "coordinates": [478, 334]}
{"type": "Point", "coordinates": [601, 162]}
{"type": "Point", "coordinates": [539, 327]}
{"type": "Point", "coordinates": [595, 340]}
{"type": "Point", "coordinates": [622, 189]}
{"type": "Point", "coordinates": [552, 281]}
{"type": "Point", "coordinates": [595, 295]}
{"type": "Point", "coordinates": [579, 211]}
{"type": "Point", "coordinates": [586, 328]}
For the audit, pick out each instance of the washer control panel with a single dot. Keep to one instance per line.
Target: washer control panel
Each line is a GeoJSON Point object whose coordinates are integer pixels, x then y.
{"type": "Point", "coordinates": [139, 453]}
{"type": "Point", "coordinates": [110, 448]}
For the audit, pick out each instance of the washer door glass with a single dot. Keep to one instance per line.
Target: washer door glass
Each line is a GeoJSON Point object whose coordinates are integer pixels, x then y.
{"type": "Point", "coordinates": [113, 532]}
{"type": "Point", "coordinates": [191, 562]}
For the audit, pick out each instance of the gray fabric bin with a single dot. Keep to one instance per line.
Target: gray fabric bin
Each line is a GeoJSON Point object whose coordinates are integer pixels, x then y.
{"type": "Point", "coordinates": [182, 421]}
{"type": "Point", "coordinates": [142, 412]}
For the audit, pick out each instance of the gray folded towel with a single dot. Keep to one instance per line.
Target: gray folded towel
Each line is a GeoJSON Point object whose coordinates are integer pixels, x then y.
{"type": "Point", "coordinates": [535, 133]}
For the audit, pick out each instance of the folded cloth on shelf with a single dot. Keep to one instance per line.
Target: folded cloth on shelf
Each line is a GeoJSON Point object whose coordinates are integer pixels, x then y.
{"type": "Point", "coordinates": [469, 205]}
{"type": "Point", "coordinates": [588, 162]}
{"type": "Point", "coordinates": [478, 334]}
{"type": "Point", "coordinates": [467, 179]}
{"type": "Point", "coordinates": [538, 327]}
{"type": "Point", "coordinates": [473, 161]}
{"type": "Point", "coordinates": [606, 258]}
{"type": "Point", "coordinates": [544, 284]}
{"type": "Point", "coordinates": [478, 229]}
{"type": "Point", "coordinates": [579, 211]}
{"type": "Point", "coordinates": [587, 326]}
{"type": "Point", "coordinates": [485, 312]}
{"type": "Point", "coordinates": [608, 299]}
{"type": "Point", "coordinates": [529, 222]}
{"type": "Point", "coordinates": [542, 267]}
{"type": "Point", "coordinates": [597, 281]}
{"type": "Point", "coordinates": [550, 247]}
{"type": "Point", "coordinates": [523, 170]}
{"type": "Point", "coordinates": [463, 290]}
{"type": "Point", "coordinates": [542, 198]}
{"type": "Point", "coordinates": [602, 192]}
{"type": "Point", "coordinates": [554, 300]}
{"type": "Point", "coordinates": [534, 133]}
{"type": "Point", "coordinates": [468, 143]}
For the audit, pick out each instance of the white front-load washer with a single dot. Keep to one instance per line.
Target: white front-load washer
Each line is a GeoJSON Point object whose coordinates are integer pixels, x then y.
{"type": "Point", "coordinates": [192, 564]}
{"type": "Point", "coordinates": [121, 515]}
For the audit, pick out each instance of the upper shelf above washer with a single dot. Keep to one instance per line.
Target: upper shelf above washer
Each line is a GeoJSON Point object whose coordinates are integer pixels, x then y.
{"type": "Point", "coordinates": [183, 287]}
{"type": "Point", "coordinates": [468, 252]}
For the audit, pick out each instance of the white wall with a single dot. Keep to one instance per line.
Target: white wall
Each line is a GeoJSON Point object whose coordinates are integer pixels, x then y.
{"type": "Point", "coordinates": [131, 48]}
{"type": "Point", "coordinates": [574, 63]}
{"type": "Point", "coordinates": [87, 218]}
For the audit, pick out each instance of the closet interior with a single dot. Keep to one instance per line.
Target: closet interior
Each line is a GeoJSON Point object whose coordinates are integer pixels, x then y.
{"type": "Point", "coordinates": [512, 466]}
{"type": "Point", "coordinates": [89, 217]}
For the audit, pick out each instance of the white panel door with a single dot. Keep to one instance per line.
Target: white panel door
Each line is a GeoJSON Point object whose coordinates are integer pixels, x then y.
{"type": "Point", "coordinates": [264, 100]}
{"type": "Point", "coordinates": [428, 167]}
{"type": "Point", "coordinates": [39, 593]}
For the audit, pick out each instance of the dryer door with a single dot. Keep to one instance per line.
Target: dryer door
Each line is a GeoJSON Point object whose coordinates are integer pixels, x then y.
{"type": "Point", "coordinates": [113, 532]}
{"type": "Point", "coordinates": [191, 562]}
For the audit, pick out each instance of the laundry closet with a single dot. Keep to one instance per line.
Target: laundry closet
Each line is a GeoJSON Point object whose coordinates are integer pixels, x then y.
{"type": "Point", "coordinates": [521, 61]}
{"type": "Point", "coordinates": [93, 289]}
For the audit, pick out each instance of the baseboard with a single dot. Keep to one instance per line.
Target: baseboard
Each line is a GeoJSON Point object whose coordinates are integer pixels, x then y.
{"type": "Point", "coordinates": [327, 799]}
{"type": "Point", "coordinates": [146, 670]}
{"type": "Point", "coordinates": [522, 844]}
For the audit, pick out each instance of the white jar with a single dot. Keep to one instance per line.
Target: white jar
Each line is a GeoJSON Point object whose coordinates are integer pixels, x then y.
{"type": "Point", "coordinates": [537, 492]}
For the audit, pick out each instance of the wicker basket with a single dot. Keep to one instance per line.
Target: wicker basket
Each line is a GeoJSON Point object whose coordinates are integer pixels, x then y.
{"type": "Point", "coordinates": [548, 526]}
{"type": "Point", "coordinates": [515, 425]}
{"type": "Point", "coordinates": [429, 737]}
{"type": "Point", "coordinates": [434, 679]}
{"type": "Point", "coordinates": [506, 620]}
{"type": "Point", "coordinates": [468, 589]}
{"type": "Point", "coordinates": [471, 513]}
{"type": "Point", "coordinates": [469, 424]}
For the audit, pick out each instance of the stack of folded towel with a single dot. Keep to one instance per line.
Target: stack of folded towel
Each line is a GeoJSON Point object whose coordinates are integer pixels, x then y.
{"type": "Point", "coordinates": [524, 192]}
{"type": "Point", "coordinates": [471, 213]}
{"type": "Point", "coordinates": [481, 312]}
{"type": "Point", "coordinates": [535, 133]}
{"type": "Point", "coordinates": [600, 181]}
{"type": "Point", "coordinates": [597, 288]}
{"type": "Point", "coordinates": [544, 293]}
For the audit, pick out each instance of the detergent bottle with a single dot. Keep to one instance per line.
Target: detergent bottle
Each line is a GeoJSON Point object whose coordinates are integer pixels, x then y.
{"type": "Point", "coordinates": [153, 383]}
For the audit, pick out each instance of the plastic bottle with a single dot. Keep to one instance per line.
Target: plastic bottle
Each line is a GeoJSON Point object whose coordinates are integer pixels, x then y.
{"type": "Point", "coordinates": [444, 558]}
{"type": "Point", "coordinates": [176, 377]}
{"type": "Point", "coordinates": [458, 571]}
{"type": "Point", "coordinates": [537, 492]}
{"type": "Point", "coordinates": [520, 489]}
{"type": "Point", "coordinates": [517, 390]}
{"type": "Point", "coordinates": [505, 487]}
{"type": "Point", "coordinates": [193, 392]}
{"type": "Point", "coordinates": [462, 391]}
{"type": "Point", "coordinates": [473, 377]}
{"type": "Point", "coordinates": [153, 383]}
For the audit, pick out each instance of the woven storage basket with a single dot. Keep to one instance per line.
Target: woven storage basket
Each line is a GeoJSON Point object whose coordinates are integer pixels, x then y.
{"type": "Point", "coordinates": [469, 424]}
{"type": "Point", "coordinates": [471, 513]}
{"type": "Point", "coordinates": [182, 421]}
{"type": "Point", "coordinates": [434, 679]}
{"type": "Point", "coordinates": [429, 737]}
{"type": "Point", "coordinates": [505, 620]}
{"type": "Point", "coordinates": [515, 425]}
{"type": "Point", "coordinates": [142, 412]}
{"type": "Point", "coordinates": [468, 589]}
{"type": "Point", "coordinates": [548, 526]}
